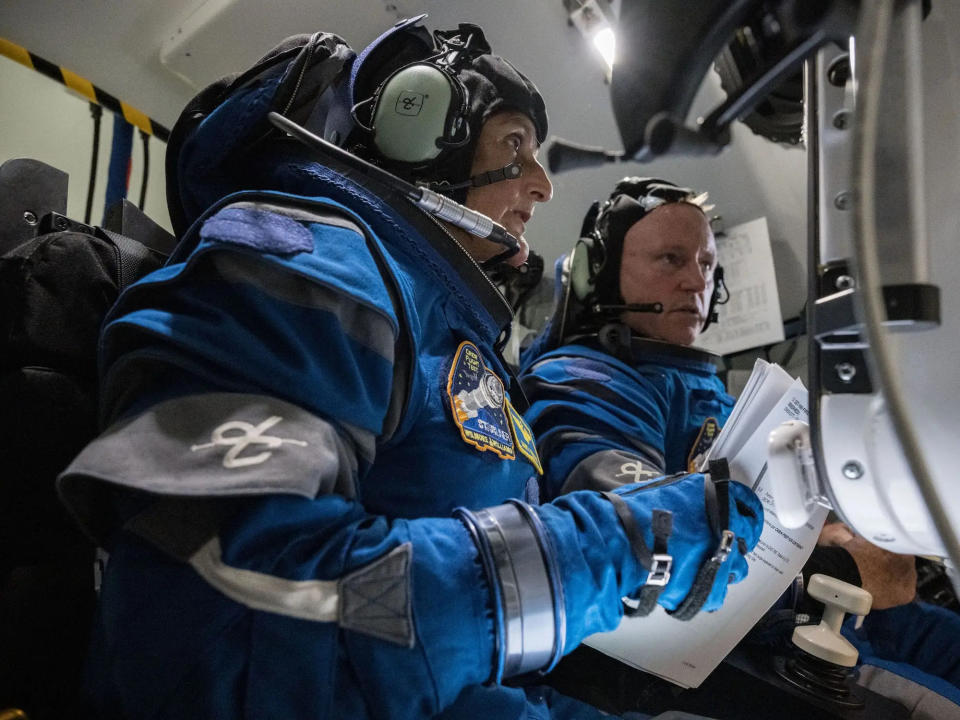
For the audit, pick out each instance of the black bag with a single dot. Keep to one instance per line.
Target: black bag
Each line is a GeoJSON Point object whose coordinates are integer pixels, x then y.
{"type": "Point", "coordinates": [55, 289]}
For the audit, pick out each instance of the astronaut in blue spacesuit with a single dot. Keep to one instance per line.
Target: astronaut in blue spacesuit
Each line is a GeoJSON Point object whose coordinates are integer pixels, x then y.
{"type": "Point", "coordinates": [315, 483]}
{"type": "Point", "coordinates": [619, 392]}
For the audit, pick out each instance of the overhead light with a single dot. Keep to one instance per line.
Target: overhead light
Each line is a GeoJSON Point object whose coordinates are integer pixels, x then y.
{"type": "Point", "coordinates": [589, 17]}
{"type": "Point", "coordinates": [605, 42]}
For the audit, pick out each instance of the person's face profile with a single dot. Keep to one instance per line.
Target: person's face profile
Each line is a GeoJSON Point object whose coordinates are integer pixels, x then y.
{"type": "Point", "coordinates": [669, 257]}
{"type": "Point", "coordinates": [506, 137]}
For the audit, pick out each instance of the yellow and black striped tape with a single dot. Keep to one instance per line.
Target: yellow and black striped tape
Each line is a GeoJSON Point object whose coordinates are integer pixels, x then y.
{"type": "Point", "coordinates": [83, 86]}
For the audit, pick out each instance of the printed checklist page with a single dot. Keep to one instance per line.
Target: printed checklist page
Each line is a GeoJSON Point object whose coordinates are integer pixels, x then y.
{"type": "Point", "coordinates": [687, 652]}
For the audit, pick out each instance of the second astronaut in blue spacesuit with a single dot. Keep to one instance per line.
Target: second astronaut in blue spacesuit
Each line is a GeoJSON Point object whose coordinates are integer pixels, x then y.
{"type": "Point", "coordinates": [314, 481]}
{"type": "Point", "coordinates": [617, 392]}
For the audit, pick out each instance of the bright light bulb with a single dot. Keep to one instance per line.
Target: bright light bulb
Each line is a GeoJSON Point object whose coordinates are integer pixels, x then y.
{"type": "Point", "coordinates": [605, 41]}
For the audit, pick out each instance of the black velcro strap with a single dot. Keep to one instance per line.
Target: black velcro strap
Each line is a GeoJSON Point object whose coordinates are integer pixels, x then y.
{"type": "Point", "coordinates": [657, 564]}
{"type": "Point", "coordinates": [662, 564]}
{"type": "Point", "coordinates": [716, 501]}
{"type": "Point", "coordinates": [639, 546]}
{"type": "Point", "coordinates": [179, 526]}
{"type": "Point", "coordinates": [719, 469]}
{"type": "Point", "coordinates": [700, 590]}
{"type": "Point", "coordinates": [716, 490]}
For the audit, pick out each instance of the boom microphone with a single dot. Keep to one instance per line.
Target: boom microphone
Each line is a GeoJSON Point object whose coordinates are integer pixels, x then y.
{"type": "Point", "coordinates": [510, 171]}
{"type": "Point", "coordinates": [437, 205]}
{"type": "Point", "coordinates": [654, 307]}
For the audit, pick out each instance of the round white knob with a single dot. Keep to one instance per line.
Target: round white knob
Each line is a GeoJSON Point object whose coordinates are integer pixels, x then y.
{"type": "Point", "coordinates": [824, 640]}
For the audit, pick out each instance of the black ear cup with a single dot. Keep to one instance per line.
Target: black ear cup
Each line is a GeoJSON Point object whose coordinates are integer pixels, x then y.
{"type": "Point", "coordinates": [720, 296]}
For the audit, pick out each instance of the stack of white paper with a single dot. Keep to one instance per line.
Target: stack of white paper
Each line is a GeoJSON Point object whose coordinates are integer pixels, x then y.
{"type": "Point", "coordinates": [686, 652]}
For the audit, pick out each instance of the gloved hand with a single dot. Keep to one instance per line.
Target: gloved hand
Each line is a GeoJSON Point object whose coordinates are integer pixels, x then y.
{"type": "Point", "coordinates": [607, 545]}
{"type": "Point", "coordinates": [712, 526]}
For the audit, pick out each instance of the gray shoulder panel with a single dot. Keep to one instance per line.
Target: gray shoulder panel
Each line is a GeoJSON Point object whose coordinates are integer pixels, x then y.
{"type": "Point", "coordinates": [300, 214]}
{"type": "Point", "coordinates": [215, 445]}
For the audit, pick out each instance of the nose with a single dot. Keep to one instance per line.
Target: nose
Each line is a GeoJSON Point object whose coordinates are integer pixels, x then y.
{"type": "Point", "coordinates": [694, 278]}
{"type": "Point", "coordinates": [538, 184]}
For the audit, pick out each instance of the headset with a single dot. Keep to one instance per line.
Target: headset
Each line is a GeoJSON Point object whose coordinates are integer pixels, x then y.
{"type": "Point", "coordinates": [594, 266]}
{"type": "Point", "coordinates": [420, 112]}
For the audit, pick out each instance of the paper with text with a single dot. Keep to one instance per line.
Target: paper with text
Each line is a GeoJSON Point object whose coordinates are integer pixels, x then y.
{"type": "Point", "coordinates": [687, 652]}
{"type": "Point", "coordinates": [752, 317]}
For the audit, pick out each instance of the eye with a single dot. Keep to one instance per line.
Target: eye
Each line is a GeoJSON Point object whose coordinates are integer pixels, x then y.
{"type": "Point", "coordinates": [515, 140]}
{"type": "Point", "coordinates": [671, 259]}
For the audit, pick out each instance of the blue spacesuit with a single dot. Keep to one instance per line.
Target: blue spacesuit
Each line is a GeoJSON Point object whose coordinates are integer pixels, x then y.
{"type": "Point", "coordinates": [601, 421]}
{"type": "Point", "coordinates": [312, 483]}
{"type": "Point", "coordinates": [610, 407]}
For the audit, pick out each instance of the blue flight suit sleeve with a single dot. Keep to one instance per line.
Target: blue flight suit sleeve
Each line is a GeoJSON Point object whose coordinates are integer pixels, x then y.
{"type": "Point", "coordinates": [598, 423]}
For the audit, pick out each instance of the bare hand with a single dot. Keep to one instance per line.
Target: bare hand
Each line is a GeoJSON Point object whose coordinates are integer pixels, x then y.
{"type": "Point", "coordinates": [889, 577]}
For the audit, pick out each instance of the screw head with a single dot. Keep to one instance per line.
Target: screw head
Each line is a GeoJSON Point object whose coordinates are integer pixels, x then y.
{"type": "Point", "coordinates": [841, 119]}
{"type": "Point", "coordinates": [844, 282]}
{"type": "Point", "coordinates": [29, 218]}
{"type": "Point", "coordinates": [846, 372]}
{"type": "Point", "coordinates": [853, 470]}
{"type": "Point", "coordinates": [843, 200]}
{"type": "Point", "coordinates": [839, 71]}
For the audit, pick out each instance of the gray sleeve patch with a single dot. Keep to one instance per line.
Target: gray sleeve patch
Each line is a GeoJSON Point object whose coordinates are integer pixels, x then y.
{"type": "Point", "coordinates": [608, 470]}
{"type": "Point", "coordinates": [375, 600]}
{"type": "Point", "coordinates": [218, 445]}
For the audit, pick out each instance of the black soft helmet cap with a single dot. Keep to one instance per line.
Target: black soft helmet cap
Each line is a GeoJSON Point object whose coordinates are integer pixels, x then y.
{"type": "Point", "coordinates": [631, 200]}
{"type": "Point", "coordinates": [491, 84]}
{"type": "Point", "coordinates": [495, 85]}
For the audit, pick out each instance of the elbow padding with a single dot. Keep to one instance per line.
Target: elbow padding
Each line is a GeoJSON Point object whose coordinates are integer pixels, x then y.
{"type": "Point", "coordinates": [520, 568]}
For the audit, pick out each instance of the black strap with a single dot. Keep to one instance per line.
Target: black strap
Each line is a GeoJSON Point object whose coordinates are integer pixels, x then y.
{"type": "Point", "coordinates": [639, 546]}
{"type": "Point", "coordinates": [179, 526]}
{"type": "Point", "coordinates": [716, 489]}
{"type": "Point", "coordinates": [660, 575]}
{"type": "Point", "coordinates": [703, 583]}
{"type": "Point", "coordinates": [657, 563]}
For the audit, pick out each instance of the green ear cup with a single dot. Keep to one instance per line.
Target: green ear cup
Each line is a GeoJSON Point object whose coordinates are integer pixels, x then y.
{"type": "Point", "coordinates": [411, 114]}
{"type": "Point", "coordinates": [580, 280]}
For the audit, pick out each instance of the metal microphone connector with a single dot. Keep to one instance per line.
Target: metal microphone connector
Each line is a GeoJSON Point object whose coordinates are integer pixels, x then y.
{"type": "Point", "coordinates": [474, 223]}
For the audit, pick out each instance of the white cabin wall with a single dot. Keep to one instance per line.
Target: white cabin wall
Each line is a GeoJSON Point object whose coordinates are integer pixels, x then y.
{"type": "Point", "coordinates": [42, 120]}
{"type": "Point", "coordinates": [155, 55]}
